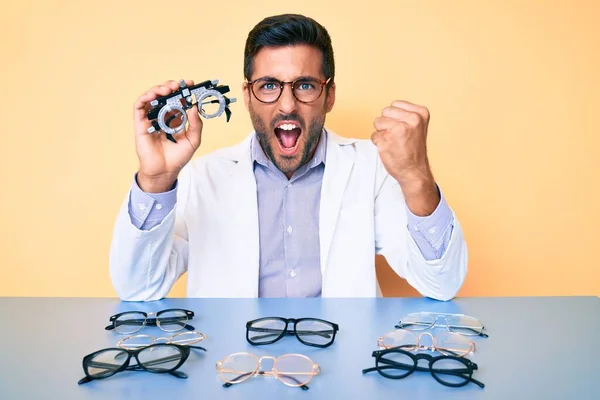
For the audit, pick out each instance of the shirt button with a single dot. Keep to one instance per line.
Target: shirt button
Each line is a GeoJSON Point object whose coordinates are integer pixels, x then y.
{"type": "Point", "coordinates": [289, 185]}
{"type": "Point", "coordinates": [142, 206]}
{"type": "Point", "coordinates": [416, 228]}
{"type": "Point", "coordinates": [431, 230]}
{"type": "Point", "coordinates": [158, 206]}
{"type": "Point", "coordinates": [289, 229]}
{"type": "Point", "coordinates": [292, 274]}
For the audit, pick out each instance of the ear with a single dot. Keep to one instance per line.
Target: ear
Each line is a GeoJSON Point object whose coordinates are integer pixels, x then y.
{"type": "Point", "coordinates": [246, 91]}
{"type": "Point", "coordinates": [330, 97]}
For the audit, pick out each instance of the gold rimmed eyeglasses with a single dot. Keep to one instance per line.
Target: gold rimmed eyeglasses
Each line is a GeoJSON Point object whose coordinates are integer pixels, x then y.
{"type": "Point", "coordinates": [446, 343]}
{"type": "Point", "coordinates": [294, 370]}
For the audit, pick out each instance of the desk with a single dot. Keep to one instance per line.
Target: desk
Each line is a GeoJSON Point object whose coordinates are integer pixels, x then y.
{"type": "Point", "coordinates": [538, 348]}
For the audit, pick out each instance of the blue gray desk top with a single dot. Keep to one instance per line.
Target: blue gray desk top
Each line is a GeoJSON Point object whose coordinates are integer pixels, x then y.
{"type": "Point", "coordinates": [538, 348]}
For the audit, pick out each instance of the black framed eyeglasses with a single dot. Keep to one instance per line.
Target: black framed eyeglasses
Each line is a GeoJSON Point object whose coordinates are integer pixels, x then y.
{"type": "Point", "coordinates": [305, 89]}
{"type": "Point", "coordinates": [169, 320]}
{"type": "Point", "coordinates": [309, 331]}
{"type": "Point", "coordinates": [448, 370]}
{"type": "Point", "coordinates": [157, 358]}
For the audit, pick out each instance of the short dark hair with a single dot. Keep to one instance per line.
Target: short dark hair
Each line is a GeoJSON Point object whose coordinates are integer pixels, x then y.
{"type": "Point", "coordinates": [289, 30]}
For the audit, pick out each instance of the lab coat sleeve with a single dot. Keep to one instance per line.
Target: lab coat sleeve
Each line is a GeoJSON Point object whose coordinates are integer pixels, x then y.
{"type": "Point", "coordinates": [145, 264]}
{"type": "Point", "coordinates": [439, 278]}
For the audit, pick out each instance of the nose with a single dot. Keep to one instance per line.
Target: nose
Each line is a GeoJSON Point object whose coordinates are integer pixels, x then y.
{"type": "Point", "coordinates": [287, 101]}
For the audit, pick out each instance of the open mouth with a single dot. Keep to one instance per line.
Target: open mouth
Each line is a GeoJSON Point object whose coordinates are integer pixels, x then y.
{"type": "Point", "coordinates": [287, 134]}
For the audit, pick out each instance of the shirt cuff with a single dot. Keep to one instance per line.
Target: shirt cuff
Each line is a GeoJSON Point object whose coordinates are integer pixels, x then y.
{"type": "Point", "coordinates": [149, 209]}
{"type": "Point", "coordinates": [432, 233]}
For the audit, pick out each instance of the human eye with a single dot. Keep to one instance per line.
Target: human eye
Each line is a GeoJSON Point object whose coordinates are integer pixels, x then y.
{"type": "Point", "coordinates": [268, 86]}
{"type": "Point", "coordinates": [306, 85]}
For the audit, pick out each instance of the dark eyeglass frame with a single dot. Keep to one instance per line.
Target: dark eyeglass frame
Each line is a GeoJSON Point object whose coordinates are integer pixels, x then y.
{"type": "Point", "coordinates": [153, 321]}
{"type": "Point", "coordinates": [293, 84]}
{"type": "Point", "coordinates": [184, 351]}
{"type": "Point", "coordinates": [382, 363]}
{"type": "Point", "coordinates": [287, 332]}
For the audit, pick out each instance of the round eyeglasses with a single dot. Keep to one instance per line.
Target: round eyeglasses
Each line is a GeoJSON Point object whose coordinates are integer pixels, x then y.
{"type": "Point", "coordinates": [305, 89]}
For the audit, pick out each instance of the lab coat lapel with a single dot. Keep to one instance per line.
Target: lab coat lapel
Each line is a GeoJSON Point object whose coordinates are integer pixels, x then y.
{"type": "Point", "coordinates": [338, 165]}
{"type": "Point", "coordinates": [242, 201]}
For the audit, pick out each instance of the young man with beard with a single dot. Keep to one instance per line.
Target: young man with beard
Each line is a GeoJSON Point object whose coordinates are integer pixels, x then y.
{"type": "Point", "coordinates": [294, 210]}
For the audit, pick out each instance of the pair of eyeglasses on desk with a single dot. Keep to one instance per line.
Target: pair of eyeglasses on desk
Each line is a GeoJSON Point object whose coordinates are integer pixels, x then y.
{"type": "Point", "coordinates": [170, 320]}
{"type": "Point", "coordinates": [157, 358]}
{"type": "Point", "coordinates": [309, 331]}
{"type": "Point", "coordinates": [458, 323]}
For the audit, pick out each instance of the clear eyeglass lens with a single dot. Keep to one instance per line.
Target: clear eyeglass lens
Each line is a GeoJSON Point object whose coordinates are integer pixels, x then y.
{"type": "Point", "coordinates": [265, 330]}
{"type": "Point", "coordinates": [307, 90]}
{"type": "Point", "coordinates": [399, 337]}
{"type": "Point", "coordinates": [237, 367]}
{"type": "Point", "coordinates": [453, 344]}
{"type": "Point", "coordinates": [172, 321]}
{"type": "Point", "coordinates": [106, 363]}
{"type": "Point", "coordinates": [417, 321]}
{"type": "Point", "coordinates": [294, 370]}
{"type": "Point", "coordinates": [129, 322]}
{"type": "Point", "coordinates": [464, 325]}
{"type": "Point", "coordinates": [451, 371]}
{"type": "Point", "coordinates": [315, 332]}
{"type": "Point", "coordinates": [395, 365]}
{"type": "Point", "coordinates": [160, 358]}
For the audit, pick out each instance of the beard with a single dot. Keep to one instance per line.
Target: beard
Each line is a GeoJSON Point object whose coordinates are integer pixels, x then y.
{"type": "Point", "coordinates": [288, 164]}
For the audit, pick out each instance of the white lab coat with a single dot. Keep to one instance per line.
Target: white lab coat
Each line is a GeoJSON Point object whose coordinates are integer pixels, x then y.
{"type": "Point", "coordinates": [212, 233]}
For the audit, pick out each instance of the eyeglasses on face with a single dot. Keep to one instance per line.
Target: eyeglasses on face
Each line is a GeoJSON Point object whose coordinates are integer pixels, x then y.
{"type": "Point", "coordinates": [459, 323]}
{"type": "Point", "coordinates": [306, 89]}
{"type": "Point", "coordinates": [309, 331]}
{"type": "Point", "coordinates": [294, 370]}
{"type": "Point", "coordinates": [183, 338]}
{"type": "Point", "coordinates": [170, 320]}
{"type": "Point", "coordinates": [447, 343]}
{"type": "Point", "coordinates": [448, 370]}
{"type": "Point", "coordinates": [157, 358]}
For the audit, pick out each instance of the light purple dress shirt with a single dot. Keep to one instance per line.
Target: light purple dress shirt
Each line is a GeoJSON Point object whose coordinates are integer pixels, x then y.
{"type": "Point", "coordinates": [289, 239]}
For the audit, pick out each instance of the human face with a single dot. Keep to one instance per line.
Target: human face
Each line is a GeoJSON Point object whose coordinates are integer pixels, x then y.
{"type": "Point", "coordinates": [288, 149]}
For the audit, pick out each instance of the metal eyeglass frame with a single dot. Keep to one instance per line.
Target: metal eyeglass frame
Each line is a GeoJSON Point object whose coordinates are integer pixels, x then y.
{"type": "Point", "coordinates": [280, 333]}
{"type": "Point", "coordinates": [464, 330]}
{"type": "Point", "coordinates": [157, 321]}
{"type": "Point", "coordinates": [322, 83]}
{"type": "Point", "coordinates": [168, 340]}
{"type": "Point", "coordinates": [244, 375]}
{"type": "Point", "coordinates": [417, 346]}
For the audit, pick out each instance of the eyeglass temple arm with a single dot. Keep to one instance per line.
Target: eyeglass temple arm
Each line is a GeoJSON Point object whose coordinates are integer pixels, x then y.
{"type": "Point", "coordinates": [228, 384]}
{"type": "Point", "coordinates": [277, 332]}
{"type": "Point", "coordinates": [150, 322]}
{"type": "Point", "coordinates": [479, 332]}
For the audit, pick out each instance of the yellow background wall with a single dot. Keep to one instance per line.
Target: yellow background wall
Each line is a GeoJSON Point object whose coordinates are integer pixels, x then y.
{"type": "Point", "coordinates": [512, 87]}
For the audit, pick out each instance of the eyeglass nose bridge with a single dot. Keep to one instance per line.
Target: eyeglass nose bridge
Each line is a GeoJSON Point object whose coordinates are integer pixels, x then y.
{"type": "Point", "coordinates": [259, 368]}
{"type": "Point", "coordinates": [425, 347]}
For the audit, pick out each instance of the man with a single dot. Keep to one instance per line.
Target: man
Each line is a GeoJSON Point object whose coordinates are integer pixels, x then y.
{"type": "Point", "coordinates": [294, 210]}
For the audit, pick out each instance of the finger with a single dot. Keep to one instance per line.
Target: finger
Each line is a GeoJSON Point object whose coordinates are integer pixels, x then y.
{"type": "Point", "coordinates": [400, 114]}
{"type": "Point", "coordinates": [422, 111]}
{"type": "Point", "coordinates": [384, 123]}
{"type": "Point", "coordinates": [194, 131]}
{"type": "Point", "coordinates": [377, 137]}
